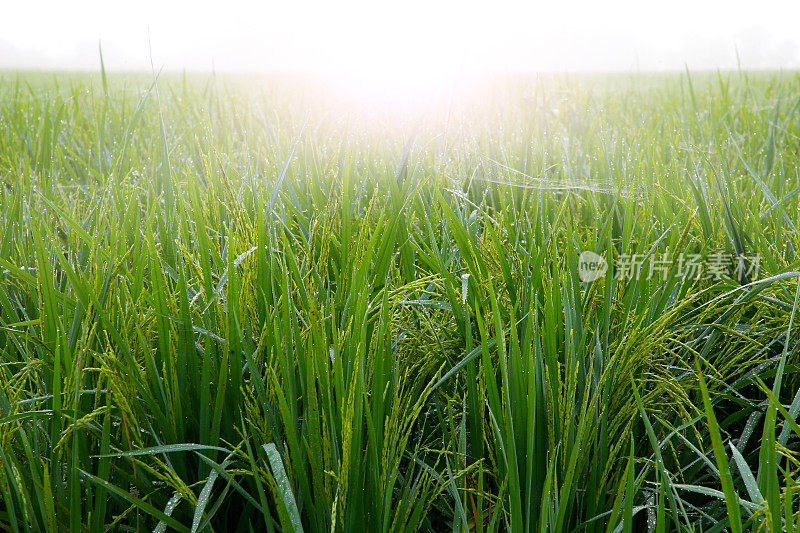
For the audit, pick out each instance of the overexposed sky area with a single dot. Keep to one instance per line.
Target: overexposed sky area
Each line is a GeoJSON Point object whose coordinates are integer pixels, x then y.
{"type": "Point", "coordinates": [413, 37]}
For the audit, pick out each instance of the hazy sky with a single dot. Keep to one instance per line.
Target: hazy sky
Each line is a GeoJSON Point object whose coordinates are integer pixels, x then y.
{"type": "Point", "coordinates": [413, 36]}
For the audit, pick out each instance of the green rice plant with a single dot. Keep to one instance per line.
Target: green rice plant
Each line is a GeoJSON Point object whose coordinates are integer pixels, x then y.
{"type": "Point", "coordinates": [244, 303]}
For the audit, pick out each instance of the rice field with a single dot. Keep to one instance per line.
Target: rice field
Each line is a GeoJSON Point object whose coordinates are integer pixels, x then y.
{"type": "Point", "coordinates": [556, 303]}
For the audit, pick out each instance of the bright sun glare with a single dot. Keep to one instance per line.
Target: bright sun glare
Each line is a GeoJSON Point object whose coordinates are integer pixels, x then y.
{"type": "Point", "coordinates": [412, 55]}
{"type": "Point", "coordinates": [396, 75]}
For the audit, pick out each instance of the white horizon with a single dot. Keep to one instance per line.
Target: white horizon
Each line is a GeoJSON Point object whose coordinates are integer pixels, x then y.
{"type": "Point", "coordinates": [403, 49]}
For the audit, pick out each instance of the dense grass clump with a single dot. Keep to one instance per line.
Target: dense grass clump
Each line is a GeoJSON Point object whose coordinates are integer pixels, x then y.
{"type": "Point", "coordinates": [241, 304]}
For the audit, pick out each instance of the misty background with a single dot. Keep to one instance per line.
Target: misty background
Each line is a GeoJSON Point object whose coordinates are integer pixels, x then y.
{"type": "Point", "coordinates": [241, 35]}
